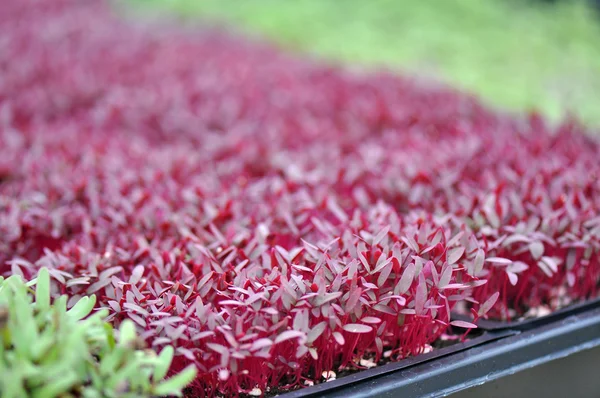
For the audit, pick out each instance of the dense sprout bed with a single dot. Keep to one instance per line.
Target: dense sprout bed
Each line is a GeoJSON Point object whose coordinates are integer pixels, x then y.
{"type": "Point", "coordinates": [270, 218]}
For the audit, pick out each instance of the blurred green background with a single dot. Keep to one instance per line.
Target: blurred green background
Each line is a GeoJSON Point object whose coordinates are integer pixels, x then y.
{"type": "Point", "coordinates": [515, 54]}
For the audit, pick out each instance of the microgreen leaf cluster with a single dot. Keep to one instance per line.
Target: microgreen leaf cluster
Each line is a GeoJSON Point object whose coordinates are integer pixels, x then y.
{"type": "Point", "coordinates": [271, 219]}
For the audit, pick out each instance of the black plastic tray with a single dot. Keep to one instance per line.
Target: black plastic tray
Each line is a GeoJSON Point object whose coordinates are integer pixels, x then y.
{"type": "Point", "coordinates": [393, 367]}
{"type": "Point", "coordinates": [493, 355]}
{"type": "Point", "coordinates": [531, 323]}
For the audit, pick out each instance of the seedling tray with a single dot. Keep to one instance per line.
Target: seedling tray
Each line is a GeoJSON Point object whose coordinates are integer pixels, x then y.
{"type": "Point", "coordinates": [531, 323]}
{"type": "Point", "coordinates": [491, 356]}
{"type": "Point", "coordinates": [366, 376]}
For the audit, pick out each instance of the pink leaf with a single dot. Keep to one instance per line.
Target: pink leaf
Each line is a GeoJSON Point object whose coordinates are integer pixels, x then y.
{"type": "Point", "coordinates": [552, 263]}
{"type": "Point", "coordinates": [339, 338]}
{"type": "Point", "coordinates": [371, 319]}
{"type": "Point", "coordinates": [410, 242]}
{"type": "Point", "coordinates": [445, 277]}
{"type": "Point", "coordinates": [536, 249]}
{"type": "Point", "coordinates": [512, 278]}
{"type": "Point", "coordinates": [421, 295]}
{"type": "Point", "coordinates": [352, 300]}
{"type": "Point", "coordinates": [385, 273]}
{"type": "Point", "coordinates": [260, 344]}
{"type": "Point", "coordinates": [488, 304]}
{"type": "Point", "coordinates": [498, 260]}
{"type": "Point", "coordinates": [136, 274]}
{"type": "Point", "coordinates": [357, 328]}
{"type": "Point", "coordinates": [289, 335]}
{"type": "Point", "coordinates": [406, 280]}
{"type": "Point", "coordinates": [455, 254]}
{"type": "Point", "coordinates": [463, 324]}
{"type": "Point", "coordinates": [517, 267]}
{"type": "Point", "coordinates": [315, 332]}
{"type": "Point", "coordinates": [478, 262]}
{"type": "Point", "coordinates": [380, 235]}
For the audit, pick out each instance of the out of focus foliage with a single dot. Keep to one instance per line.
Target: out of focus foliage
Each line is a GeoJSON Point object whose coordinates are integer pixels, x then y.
{"type": "Point", "coordinates": [516, 54]}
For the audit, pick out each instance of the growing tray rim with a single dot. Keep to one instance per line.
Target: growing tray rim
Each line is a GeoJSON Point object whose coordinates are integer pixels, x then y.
{"type": "Point", "coordinates": [496, 353]}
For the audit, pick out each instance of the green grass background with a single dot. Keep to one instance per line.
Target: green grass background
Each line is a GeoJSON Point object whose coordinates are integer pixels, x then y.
{"type": "Point", "coordinates": [515, 54]}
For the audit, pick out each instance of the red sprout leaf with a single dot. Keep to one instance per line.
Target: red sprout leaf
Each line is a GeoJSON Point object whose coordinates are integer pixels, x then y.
{"type": "Point", "coordinates": [421, 295]}
{"type": "Point", "coordinates": [455, 254]}
{"type": "Point", "coordinates": [316, 332]}
{"type": "Point", "coordinates": [478, 262]}
{"type": "Point", "coordinates": [371, 320]}
{"type": "Point", "coordinates": [512, 277]}
{"type": "Point", "coordinates": [445, 277]}
{"type": "Point", "coordinates": [498, 260]}
{"type": "Point", "coordinates": [406, 280]}
{"type": "Point", "coordinates": [463, 324]}
{"type": "Point", "coordinates": [488, 304]}
{"type": "Point", "coordinates": [289, 335]}
{"type": "Point", "coordinates": [339, 338]}
{"type": "Point", "coordinates": [537, 249]}
{"type": "Point", "coordinates": [357, 328]}
{"type": "Point", "coordinates": [380, 235]}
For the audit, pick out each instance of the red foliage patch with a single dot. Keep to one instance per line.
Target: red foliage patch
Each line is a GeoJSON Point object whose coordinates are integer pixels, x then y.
{"type": "Point", "coordinates": [272, 218]}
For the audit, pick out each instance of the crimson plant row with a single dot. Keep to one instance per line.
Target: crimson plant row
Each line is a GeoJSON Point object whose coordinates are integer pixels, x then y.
{"type": "Point", "coordinates": [274, 219]}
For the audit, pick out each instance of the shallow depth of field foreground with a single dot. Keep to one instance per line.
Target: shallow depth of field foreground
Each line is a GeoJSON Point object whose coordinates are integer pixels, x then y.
{"type": "Point", "coordinates": [274, 220]}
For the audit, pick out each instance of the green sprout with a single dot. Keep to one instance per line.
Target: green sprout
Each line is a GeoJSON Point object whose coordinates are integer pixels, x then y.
{"type": "Point", "coordinates": [49, 351]}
